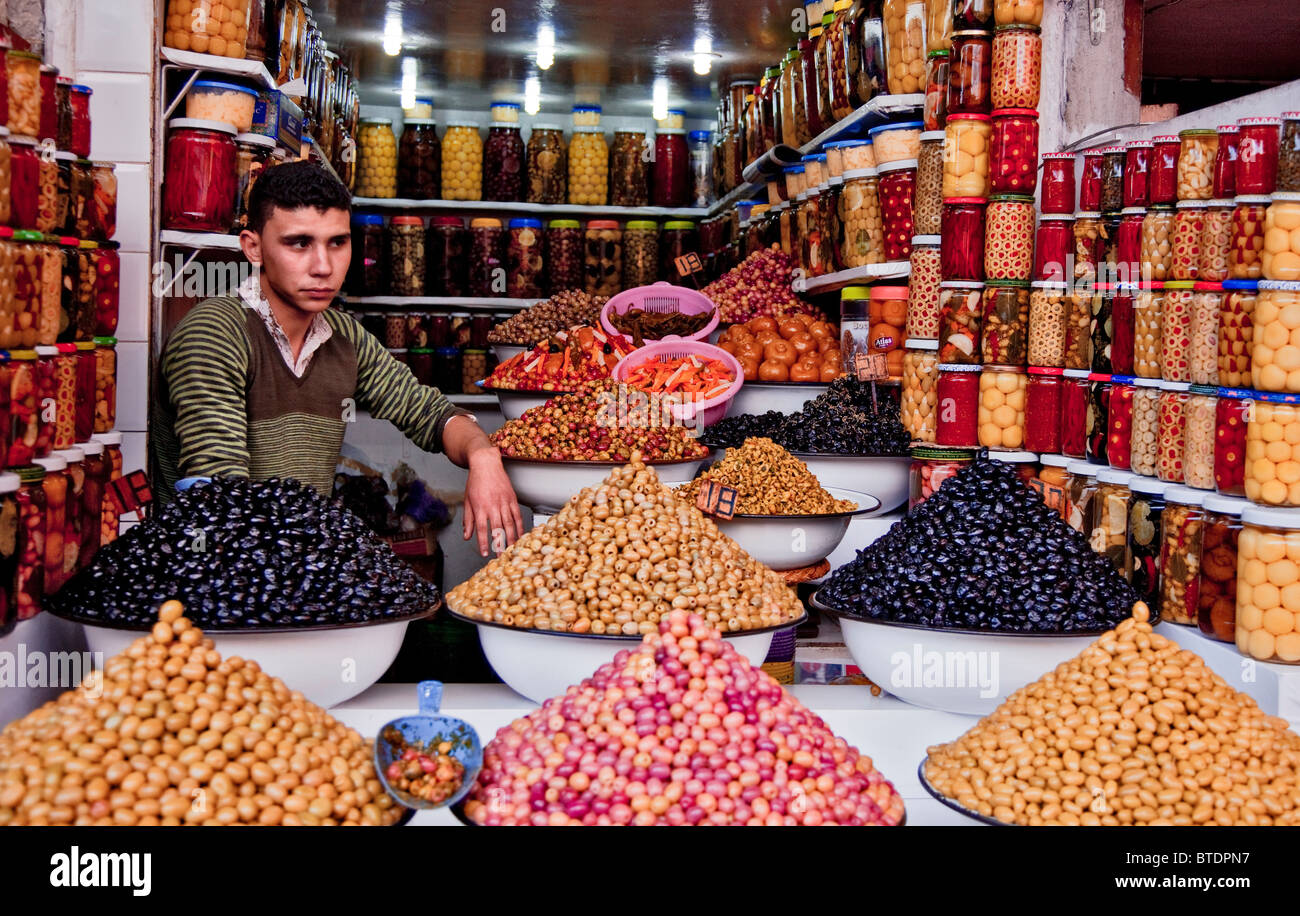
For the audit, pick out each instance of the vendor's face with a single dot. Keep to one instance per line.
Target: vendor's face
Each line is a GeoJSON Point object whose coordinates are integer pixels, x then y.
{"type": "Point", "coordinates": [304, 255]}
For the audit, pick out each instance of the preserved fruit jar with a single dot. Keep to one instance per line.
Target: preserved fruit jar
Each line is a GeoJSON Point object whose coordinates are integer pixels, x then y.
{"type": "Point", "coordinates": [1216, 242]}
{"type": "Point", "coordinates": [1181, 523]}
{"type": "Point", "coordinates": [837, 74]}
{"type": "Point", "coordinates": [487, 258]}
{"type": "Point", "coordinates": [1009, 238]}
{"type": "Point", "coordinates": [1273, 449]}
{"type": "Point", "coordinates": [961, 312]}
{"type": "Point", "coordinates": [1236, 329]}
{"type": "Point", "coordinates": [1203, 357]}
{"type": "Point", "coordinates": [1049, 317]}
{"type": "Point", "coordinates": [1108, 522]}
{"type": "Point", "coordinates": [547, 169]}
{"type": "Point", "coordinates": [1198, 443]}
{"type": "Point", "coordinates": [199, 187]}
{"type": "Point", "coordinates": [1137, 165]}
{"type": "Point", "coordinates": [931, 467]}
{"type": "Point", "coordinates": [1089, 244]}
{"type": "Point", "coordinates": [1017, 67]}
{"type": "Point", "coordinates": [672, 170]}
{"type": "Point", "coordinates": [503, 163]}
{"type": "Point", "coordinates": [1128, 244]}
{"type": "Point", "coordinates": [861, 219]}
{"type": "Point", "coordinates": [904, 45]}
{"type": "Point", "coordinates": [1019, 12]}
{"type": "Point", "coordinates": [1157, 250]}
{"type": "Point", "coordinates": [1148, 317]}
{"type": "Point", "coordinates": [1245, 261]}
{"type": "Point", "coordinates": [1144, 439]}
{"type": "Point", "coordinates": [105, 384]}
{"type": "Point", "coordinates": [629, 181]}
{"type": "Point", "coordinates": [1267, 623]}
{"type": "Point", "coordinates": [966, 151]}
{"type": "Point", "coordinates": [1175, 332]}
{"type": "Point", "coordinates": [935, 110]}
{"type": "Point", "coordinates": [588, 167]}
{"type": "Point", "coordinates": [23, 82]}
{"type": "Point", "coordinates": [896, 188]}
{"type": "Point", "coordinates": [959, 406]}
{"type": "Point", "coordinates": [1053, 248]}
{"type": "Point", "coordinates": [1013, 163]}
{"type": "Point", "coordinates": [603, 257]}
{"type": "Point", "coordinates": [1185, 247]}
{"type": "Point", "coordinates": [79, 100]}
{"type": "Point", "coordinates": [377, 155]}
{"type": "Point", "coordinates": [253, 155]}
{"type": "Point", "coordinates": [1217, 587]}
{"type": "Point", "coordinates": [564, 256]}
{"type": "Point", "coordinates": [1275, 357]}
{"type": "Point", "coordinates": [1078, 327]}
{"type": "Point", "coordinates": [927, 202]}
{"type": "Point", "coordinates": [962, 240]}
{"type": "Point", "coordinates": [1288, 159]}
{"type": "Point", "coordinates": [938, 25]}
{"type": "Point", "coordinates": [406, 266]}
{"type": "Point", "coordinates": [920, 395]}
{"type": "Point", "coordinates": [1004, 329]}
{"type": "Point", "coordinates": [419, 161]}
{"type": "Point", "coordinates": [1097, 421]}
{"type": "Point", "coordinates": [524, 266]}
{"type": "Point", "coordinates": [923, 288]}
{"type": "Point", "coordinates": [446, 253]}
{"type": "Point", "coordinates": [1058, 183]}
{"type": "Point", "coordinates": [1196, 164]}
{"type": "Point", "coordinates": [1225, 162]}
{"type": "Point", "coordinates": [1001, 415]}
{"type": "Point", "coordinates": [1075, 397]}
{"type": "Point", "coordinates": [1171, 431]}
{"type": "Point", "coordinates": [462, 162]}
{"type": "Point", "coordinates": [29, 584]}
{"type": "Point", "coordinates": [1257, 155]}
{"type": "Point", "coordinates": [1280, 259]}
{"type": "Point", "coordinates": [1043, 401]}
{"type": "Point", "coordinates": [970, 73]}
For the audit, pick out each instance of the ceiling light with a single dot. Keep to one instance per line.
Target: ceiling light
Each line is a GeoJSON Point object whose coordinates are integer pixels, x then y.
{"type": "Point", "coordinates": [393, 33]}
{"type": "Point", "coordinates": [545, 47]}
{"type": "Point", "coordinates": [410, 71]}
{"type": "Point", "coordinates": [532, 95]}
{"type": "Point", "coordinates": [703, 55]}
{"type": "Point", "coordinates": [660, 98]}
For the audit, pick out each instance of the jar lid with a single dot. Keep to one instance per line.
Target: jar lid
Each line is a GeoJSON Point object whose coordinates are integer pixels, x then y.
{"type": "Point", "coordinates": [1006, 284]}
{"type": "Point", "coordinates": [1205, 286]}
{"type": "Point", "coordinates": [1146, 382]}
{"type": "Point", "coordinates": [1013, 457]}
{"type": "Point", "coordinates": [1252, 199]}
{"type": "Point", "coordinates": [564, 224]}
{"type": "Point", "coordinates": [1133, 211]}
{"type": "Point", "coordinates": [72, 454]}
{"type": "Point", "coordinates": [965, 116]}
{"type": "Point", "coordinates": [51, 463]}
{"type": "Point", "coordinates": [31, 473]}
{"type": "Point", "coordinates": [671, 131]}
{"type": "Point", "coordinates": [645, 225]}
{"type": "Point", "coordinates": [92, 447]}
{"type": "Point", "coordinates": [1061, 156]}
{"type": "Point", "coordinates": [377, 121]}
{"type": "Point", "coordinates": [1114, 475]}
{"type": "Point", "coordinates": [1056, 217]}
{"type": "Point", "coordinates": [932, 136]}
{"type": "Point", "coordinates": [1196, 132]}
{"type": "Point", "coordinates": [525, 222]}
{"type": "Point", "coordinates": [1276, 397]}
{"type": "Point", "coordinates": [1017, 27]}
{"type": "Point", "coordinates": [419, 122]}
{"type": "Point", "coordinates": [854, 293]}
{"type": "Point", "coordinates": [1087, 214]}
{"type": "Point", "coordinates": [9, 482]}
{"type": "Point", "coordinates": [1139, 144]}
{"type": "Point", "coordinates": [794, 169]}
{"type": "Point", "coordinates": [471, 124]}
{"type": "Point", "coordinates": [106, 341]}
{"type": "Point", "coordinates": [921, 343]}
{"type": "Point", "coordinates": [961, 284]}
{"type": "Point", "coordinates": [896, 166]}
{"type": "Point", "coordinates": [1165, 138]}
{"type": "Point", "coordinates": [1219, 202]}
{"type": "Point", "coordinates": [1270, 517]}
{"type": "Point", "coordinates": [1192, 204]}
{"type": "Point", "coordinates": [485, 222]}
{"type": "Point", "coordinates": [940, 453]}
{"type": "Point", "coordinates": [602, 224]}
{"type": "Point", "coordinates": [1291, 116]}
{"type": "Point", "coordinates": [1267, 121]}
{"type": "Point", "coordinates": [1243, 285]}
{"type": "Point", "coordinates": [889, 292]}
{"type": "Point", "coordinates": [853, 174]}
{"type": "Point", "coordinates": [1166, 385]}
{"type": "Point", "coordinates": [1231, 128]}
{"type": "Point", "coordinates": [1010, 198]}
{"type": "Point", "coordinates": [247, 139]}
{"type": "Point", "coordinates": [1111, 150]}
{"type": "Point", "coordinates": [1015, 113]}
{"type": "Point", "coordinates": [897, 125]}
{"type": "Point", "coordinates": [679, 224]}
{"type": "Point", "coordinates": [1080, 468]}
{"type": "Point", "coordinates": [84, 90]}
{"type": "Point", "coordinates": [1151, 486]}
{"type": "Point", "coordinates": [699, 136]}
{"type": "Point", "coordinates": [588, 129]}
{"type": "Point", "coordinates": [47, 350]}
{"type": "Point", "coordinates": [407, 221]}
{"type": "Point", "coordinates": [223, 87]}
{"type": "Point", "coordinates": [1055, 461]}
{"type": "Point", "coordinates": [1077, 374]}
{"type": "Point", "coordinates": [815, 157]}
{"type": "Point", "coordinates": [966, 201]}
{"type": "Point", "coordinates": [1237, 394]}
{"type": "Point", "coordinates": [448, 221]}
{"type": "Point", "coordinates": [1225, 505]}
{"type": "Point", "coordinates": [1100, 377]}
{"type": "Point", "coordinates": [959, 367]}
{"type": "Point", "coordinates": [1205, 390]}
{"type": "Point", "coordinates": [110, 439]}
{"type": "Point", "coordinates": [926, 240]}
{"type": "Point", "coordinates": [1046, 370]}
{"type": "Point", "coordinates": [192, 124]}
{"type": "Point", "coordinates": [1055, 286]}
{"type": "Point", "coordinates": [580, 108]}
{"type": "Point", "coordinates": [1185, 496]}
{"type": "Point", "coordinates": [1287, 196]}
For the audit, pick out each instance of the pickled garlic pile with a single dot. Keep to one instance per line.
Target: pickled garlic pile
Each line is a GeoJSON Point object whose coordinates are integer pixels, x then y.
{"type": "Point", "coordinates": [171, 733]}
{"type": "Point", "coordinates": [1134, 730]}
{"type": "Point", "coordinates": [681, 730]}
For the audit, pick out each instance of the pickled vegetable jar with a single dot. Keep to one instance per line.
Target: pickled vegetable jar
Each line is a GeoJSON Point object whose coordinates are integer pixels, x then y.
{"type": "Point", "coordinates": [1022, 12]}
{"type": "Point", "coordinates": [1053, 248]}
{"type": "Point", "coordinates": [1014, 152]}
{"type": "Point", "coordinates": [1075, 396]}
{"type": "Point", "coordinates": [1288, 160]}
{"type": "Point", "coordinates": [588, 167]}
{"type": "Point", "coordinates": [1004, 327]}
{"type": "Point", "coordinates": [1145, 538]}
{"type": "Point", "coordinates": [1203, 330]}
{"type": "Point", "coordinates": [547, 169]}
{"type": "Point", "coordinates": [55, 485]}
{"type": "Point", "coordinates": [564, 255]}
{"type": "Point", "coordinates": [92, 500]}
{"type": "Point", "coordinates": [1162, 183]}
{"type": "Point", "coordinates": [927, 201]}
{"type": "Point", "coordinates": [603, 257]}
{"type": "Point", "coordinates": [1225, 162]}
{"type": "Point", "coordinates": [1216, 242]}
{"type": "Point", "coordinates": [1123, 331]}
{"type": "Point", "coordinates": [1043, 400]}
{"type": "Point", "coordinates": [81, 197]}
{"type": "Point", "coordinates": [525, 274]}
{"type": "Point", "coordinates": [1267, 621]}
{"type": "Point", "coordinates": [29, 586]}
{"type": "Point", "coordinates": [970, 73]}
{"type": "Point", "coordinates": [74, 457]}
{"type": "Point", "coordinates": [1144, 438]}
{"type": "Point", "coordinates": [487, 258]}
{"type": "Point", "coordinates": [672, 170]}
{"type": "Point", "coordinates": [199, 186]}
{"type": "Point", "coordinates": [1236, 328]}
{"type": "Point", "coordinates": [462, 162]}
{"type": "Point", "coordinates": [377, 159]}
{"type": "Point", "coordinates": [446, 250]}
{"type": "Point", "coordinates": [1058, 183]}
{"type": "Point", "coordinates": [957, 420]}
{"type": "Point", "coordinates": [931, 467]}
{"type": "Point", "coordinates": [1049, 316]}
{"type": "Point", "coordinates": [503, 163]}
{"type": "Point", "coordinates": [1232, 412]}
{"type": "Point", "coordinates": [1078, 327]}
{"type": "Point", "coordinates": [419, 161]}
{"type": "Point", "coordinates": [1198, 444]}
{"type": "Point", "coordinates": [961, 312]}
{"type": "Point", "coordinates": [79, 100]}
{"type": "Point", "coordinates": [1175, 332]}
{"type": "Point", "coordinates": [1119, 436]}
{"type": "Point", "coordinates": [966, 151]}
{"type": "Point", "coordinates": [253, 154]}
{"type": "Point", "coordinates": [1275, 356]}
{"type": "Point", "coordinates": [1107, 524]}
{"type": "Point", "coordinates": [905, 44]}
{"type": "Point", "coordinates": [1189, 226]}
{"type": "Point", "coordinates": [1280, 259]}
{"type": "Point", "coordinates": [861, 218]}
{"type": "Point", "coordinates": [1112, 179]}
{"type": "Point", "coordinates": [23, 81]}
{"type": "Point", "coordinates": [1217, 586]}
{"type": "Point", "coordinates": [1137, 164]}
{"type": "Point", "coordinates": [406, 268]}
{"type": "Point", "coordinates": [678, 238]}
{"type": "Point", "coordinates": [1181, 524]}
{"type": "Point", "coordinates": [1009, 238]}
{"type": "Point", "coordinates": [1171, 431]}
{"type": "Point", "coordinates": [920, 397]}
{"type": "Point", "coordinates": [1097, 422]}
{"type": "Point", "coordinates": [45, 396]}
{"type": "Point", "coordinates": [1245, 261]}
{"type": "Point", "coordinates": [1257, 155]}
{"type": "Point", "coordinates": [1198, 149]}
{"type": "Point", "coordinates": [1092, 180]}
{"type": "Point", "coordinates": [923, 288]}
{"type": "Point", "coordinates": [1017, 67]}
{"type": "Point", "coordinates": [105, 384]}
{"type": "Point", "coordinates": [1001, 415]}
{"type": "Point", "coordinates": [629, 180]}
{"type": "Point", "coordinates": [640, 253]}
{"type": "Point", "coordinates": [65, 397]}
{"type": "Point", "coordinates": [962, 239]}
{"type": "Point", "coordinates": [1157, 251]}
{"type": "Point", "coordinates": [1089, 244]}
{"type": "Point", "coordinates": [935, 110]}
{"type": "Point", "coordinates": [896, 189]}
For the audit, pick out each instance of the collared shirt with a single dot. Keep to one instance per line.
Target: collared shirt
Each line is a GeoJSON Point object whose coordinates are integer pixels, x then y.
{"type": "Point", "coordinates": [252, 297]}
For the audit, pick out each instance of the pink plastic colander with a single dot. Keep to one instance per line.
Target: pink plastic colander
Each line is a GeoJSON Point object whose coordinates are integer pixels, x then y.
{"type": "Point", "coordinates": [706, 412]}
{"type": "Point", "coordinates": [661, 297]}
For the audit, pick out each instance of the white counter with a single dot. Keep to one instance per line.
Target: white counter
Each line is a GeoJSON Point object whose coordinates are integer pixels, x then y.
{"type": "Point", "coordinates": [894, 734]}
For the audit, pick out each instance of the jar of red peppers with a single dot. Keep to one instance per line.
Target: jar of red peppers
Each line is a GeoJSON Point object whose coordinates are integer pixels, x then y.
{"type": "Point", "coordinates": [1236, 329]}
{"type": "Point", "coordinates": [1122, 329]}
{"type": "Point", "coordinates": [105, 384]}
{"type": "Point", "coordinates": [962, 245]}
{"type": "Point", "coordinates": [1137, 163]}
{"type": "Point", "coordinates": [1128, 244]}
{"type": "Point", "coordinates": [958, 405]}
{"type": "Point", "coordinates": [1017, 66]}
{"type": "Point", "coordinates": [1225, 162]}
{"type": "Point", "coordinates": [1013, 163]}
{"type": "Point", "coordinates": [1257, 155]}
{"type": "Point", "coordinates": [108, 270]}
{"type": "Point", "coordinates": [92, 500]}
{"type": "Point", "coordinates": [1217, 585]}
{"type": "Point", "coordinates": [1044, 399]}
{"type": "Point", "coordinates": [103, 222]}
{"type": "Point", "coordinates": [1092, 180]}
{"type": "Point", "coordinates": [1232, 412]}
{"type": "Point", "coordinates": [1097, 422]}
{"type": "Point", "coordinates": [1074, 412]}
{"type": "Point", "coordinates": [24, 408]}
{"type": "Point", "coordinates": [48, 128]}
{"type": "Point", "coordinates": [24, 182]}
{"type": "Point", "coordinates": [1189, 226]}
{"type": "Point", "coordinates": [1053, 248]}
{"type": "Point", "coordinates": [84, 402]}
{"type": "Point", "coordinates": [970, 73]}
{"type": "Point", "coordinates": [199, 183]}
{"type": "Point", "coordinates": [524, 258]}
{"type": "Point", "coordinates": [79, 98]}
{"type": "Point", "coordinates": [1171, 431]}
{"type": "Point", "coordinates": [931, 467]}
{"type": "Point", "coordinates": [960, 316]}
{"type": "Point", "coordinates": [29, 587]}
{"type": "Point", "coordinates": [897, 185]}
{"type": "Point", "coordinates": [1120, 422]}
{"type": "Point", "coordinates": [1058, 183]}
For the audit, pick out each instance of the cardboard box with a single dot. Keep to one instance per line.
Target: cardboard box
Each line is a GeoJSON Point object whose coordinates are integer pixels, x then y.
{"type": "Point", "coordinates": [277, 116]}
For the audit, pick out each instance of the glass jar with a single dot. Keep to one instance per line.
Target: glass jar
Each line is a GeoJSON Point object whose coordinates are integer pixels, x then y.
{"type": "Point", "coordinates": [1058, 183]}
{"type": "Point", "coordinates": [1234, 408]}
{"type": "Point", "coordinates": [524, 271]}
{"type": "Point", "coordinates": [1236, 328]}
{"type": "Point", "coordinates": [672, 170]}
{"type": "Point", "coordinates": [905, 45]}
{"type": "Point", "coordinates": [1156, 253]}
{"type": "Point", "coordinates": [836, 68]}
{"type": "Point", "coordinates": [72, 298]}
{"type": "Point", "coordinates": [1089, 244]}
{"type": "Point", "coordinates": [105, 384]}
{"type": "Point", "coordinates": [1137, 164]}
{"type": "Point", "coordinates": [1257, 155]}
{"type": "Point", "coordinates": [1203, 357]}
{"type": "Point", "coordinates": [253, 153]}
{"type": "Point", "coordinates": [1245, 261]}
{"type": "Point", "coordinates": [65, 397]}
{"type": "Point", "coordinates": [564, 255]}
{"type": "Point", "coordinates": [1175, 332]}
{"type": "Point", "coordinates": [29, 586]}
{"type": "Point", "coordinates": [1280, 259]}
{"type": "Point", "coordinates": [1119, 427]}
{"type": "Point", "coordinates": [377, 159]}
{"type": "Point", "coordinates": [1043, 403]}
{"type": "Point", "coordinates": [962, 239]}
{"type": "Point", "coordinates": [930, 468]}
{"type": "Point", "coordinates": [1017, 66]}
{"type": "Point", "coordinates": [73, 521]}
{"type": "Point", "coordinates": [1005, 327]}
{"type": "Point", "coordinates": [24, 408]}
{"type": "Point", "coordinates": [972, 14]}
{"type": "Point", "coordinates": [927, 202]}
{"type": "Point", "coordinates": [603, 257]}
{"type": "Point", "coordinates": [896, 188]}
{"type": "Point", "coordinates": [1009, 238]}
{"type": "Point", "coordinates": [79, 102]}
{"type": "Point", "coordinates": [45, 397]}
{"type": "Point", "coordinates": [1198, 444]}
{"type": "Point", "coordinates": [1271, 454]}
{"type": "Point", "coordinates": [1180, 558]}
{"type": "Point", "coordinates": [94, 472]}
{"type": "Point", "coordinates": [55, 486]}
{"type": "Point", "coordinates": [920, 396]}
{"type": "Point", "coordinates": [629, 181]}
{"type": "Point", "coordinates": [869, 69]}
{"type": "Point", "coordinates": [1145, 538]}
{"type": "Point", "coordinates": [366, 270]}
{"type": "Point", "coordinates": [406, 267]}
{"type": "Point", "coordinates": [1073, 423]}
{"type": "Point", "coordinates": [1225, 162]}
{"type": "Point", "coordinates": [678, 238]}
{"type": "Point", "coordinates": [1266, 614]}
{"type": "Point", "coordinates": [923, 288]}
{"type": "Point", "coordinates": [1080, 488]}
{"type": "Point", "coordinates": [1097, 421]}
{"type": "Point", "coordinates": [1162, 183]}
{"type": "Point", "coordinates": [1144, 438]}
{"type": "Point", "coordinates": [588, 167]}
{"type": "Point", "coordinates": [1123, 329]}
{"type": "Point", "coordinates": [818, 239]}
{"type": "Point", "coordinates": [112, 508]}
{"type": "Point", "coordinates": [1078, 328]}
{"type": "Point", "coordinates": [1274, 365]}
{"type": "Point", "coordinates": [1128, 244]}
{"type": "Point", "coordinates": [1112, 179]}
{"type": "Point", "coordinates": [199, 185]}
{"type": "Point", "coordinates": [967, 138]}
{"type": "Point", "coordinates": [1092, 180]}
{"type": "Point", "coordinates": [640, 253]}
{"type": "Point", "coordinates": [861, 219]}
{"type": "Point", "coordinates": [1049, 318]}
{"type": "Point", "coordinates": [23, 77]}
{"type": "Point", "coordinates": [1053, 248]}
{"type": "Point", "coordinates": [810, 124]}
{"type": "Point", "coordinates": [1001, 414]}
{"type": "Point", "coordinates": [1215, 242]}
{"type": "Point", "coordinates": [547, 169]}
{"type": "Point", "coordinates": [791, 85]}
{"type": "Point", "coordinates": [702, 168]}
{"type": "Point", "coordinates": [1217, 583]}
{"type": "Point", "coordinates": [970, 73]}
{"type": "Point", "coordinates": [1171, 431]}
{"type": "Point", "coordinates": [1189, 226]}
{"type": "Point", "coordinates": [81, 199]}
{"type": "Point", "coordinates": [47, 194]}
{"type": "Point", "coordinates": [419, 161]}
{"type": "Point", "coordinates": [28, 288]}
{"type": "Point", "coordinates": [937, 74]}
{"type": "Point", "coordinates": [10, 545]}
{"type": "Point", "coordinates": [503, 162]}
{"type": "Point", "coordinates": [446, 249]}
{"type": "Point", "coordinates": [1014, 152]}
{"type": "Point", "coordinates": [1196, 155]}
{"type": "Point", "coordinates": [1107, 523]}
{"type": "Point", "coordinates": [961, 310]}
{"type": "Point", "coordinates": [462, 162]}
{"type": "Point", "coordinates": [487, 258]}
{"type": "Point", "coordinates": [959, 407]}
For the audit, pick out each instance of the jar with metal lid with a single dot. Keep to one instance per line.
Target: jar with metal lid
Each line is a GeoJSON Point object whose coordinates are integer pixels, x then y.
{"type": "Point", "coordinates": [1232, 412]}
{"type": "Point", "coordinates": [29, 586]}
{"type": "Point", "coordinates": [1257, 155]}
{"type": "Point", "coordinates": [48, 271]}
{"type": "Point", "coordinates": [836, 68]}
{"type": "Point", "coordinates": [1236, 330]}
{"type": "Point", "coordinates": [1053, 248]}
{"type": "Point", "coordinates": [1123, 329]}
{"type": "Point", "coordinates": [95, 474]}
{"type": "Point", "coordinates": [1267, 620]}
{"type": "Point", "coordinates": [406, 267]}
{"type": "Point", "coordinates": [937, 73]}
{"type": "Point", "coordinates": [1137, 164]}
{"type": "Point", "coordinates": [967, 138]}
{"type": "Point", "coordinates": [1017, 66]}
{"type": "Point", "coordinates": [923, 288]}
{"type": "Point", "coordinates": [1217, 585]}
{"type": "Point", "coordinates": [1273, 449]}
{"type": "Point", "coordinates": [895, 191]}
{"type": "Point", "coordinates": [1203, 331]}
{"type": "Point", "coordinates": [487, 257]}
{"type": "Point", "coordinates": [1013, 163]}
{"type": "Point", "coordinates": [1119, 425]}
{"type": "Point", "coordinates": [25, 423]}
{"type": "Point", "coordinates": [1198, 444]}
{"type": "Point", "coordinates": [1185, 243]}
{"type": "Point", "coordinates": [1049, 317]}
{"type": "Point", "coordinates": [1144, 438]}
{"type": "Point", "coordinates": [1216, 242]}
{"type": "Point", "coordinates": [1001, 414]}
{"type": "Point", "coordinates": [970, 72]}
{"type": "Point", "coordinates": [376, 159]}
{"type": "Point", "coordinates": [1107, 523]}
{"type": "Point", "coordinates": [419, 160]}
{"type": "Point", "coordinates": [930, 467]}
{"type": "Point", "coordinates": [1009, 238]}
{"type": "Point", "coordinates": [1181, 523]}
{"type": "Point", "coordinates": [1145, 538]}
{"type": "Point", "coordinates": [861, 219]}
{"type": "Point", "coordinates": [462, 161]}
{"type": "Point", "coordinates": [47, 194]}
{"type": "Point", "coordinates": [105, 384]}
{"type": "Point", "coordinates": [1275, 359]}
{"type": "Point", "coordinates": [961, 311]}
{"type": "Point", "coordinates": [957, 420]}
{"type": "Point", "coordinates": [1156, 252]}
{"type": "Point", "coordinates": [790, 99]}
{"type": "Point", "coordinates": [1089, 244]}
{"type": "Point", "coordinates": [1162, 183]}
{"type": "Point", "coordinates": [1092, 180]}
{"type": "Point", "coordinates": [200, 180]}
{"type": "Point", "coordinates": [1005, 326]}
{"type": "Point", "coordinates": [927, 201]}
{"type": "Point", "coordinates": [55, 486]}
{"type": "Point", "coordinates": [63, 434]}
{"type": "Point", "coordinates": [1171, 431]}
{"type": "Point", "coordinates": [1196, 155]}
{"type": "Point", "coordinates": [446, 250]}
{"type": "Point", "coordinates": [905, 44]}
{"type": "Point", "coordinates": [22, 311]}
{"type": "Point", "coordinates": [1058, 183]}
{"type": "Point", "coordinates": [1043, 404]}
{"type": "Point", "coordinates": [603, 257]}
{"type": "Point", "coordinates": [920, 396]}
{"type": "Point", "coordinates": [547, 165]}
{"type": "Point", "coordinates": [1245, 261]}
{"type": "Point", "coordinates": [366, 270]}
{"type": "Point", "coordinates": [962, 239]}
{"type": "Point", "coordinates": [504, 161]}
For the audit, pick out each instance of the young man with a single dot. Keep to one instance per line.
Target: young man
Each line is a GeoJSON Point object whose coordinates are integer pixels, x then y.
{"type": "Point", "coordinates": [261, 384]}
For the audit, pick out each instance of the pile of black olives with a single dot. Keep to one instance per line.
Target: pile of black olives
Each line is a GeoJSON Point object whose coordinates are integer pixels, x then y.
{"type": "Point", "coordinates": [245, 554]}
{"type": "Point", "coordinates": [845, 420]}
{"type": "Point", "coordinates": [983, 553]}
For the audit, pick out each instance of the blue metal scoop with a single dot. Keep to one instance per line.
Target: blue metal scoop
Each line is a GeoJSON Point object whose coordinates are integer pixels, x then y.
{"type": "Point", "coordinates": [428, 729]}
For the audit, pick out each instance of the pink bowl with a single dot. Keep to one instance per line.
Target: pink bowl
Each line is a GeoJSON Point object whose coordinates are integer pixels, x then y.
{"type": "Point", "coordinates": [661, 297]}
{"type": "Point", "coordinates": [706, 412]}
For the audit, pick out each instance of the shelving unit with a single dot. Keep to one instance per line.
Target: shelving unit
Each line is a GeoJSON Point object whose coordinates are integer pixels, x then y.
{"type": "Point", "coordinates": [460, 303]}
{"type": "Point", "coordinates": [826, 283]}
{"type": "Point", "coordinates": [548, 210]}
{"type": "Point", "coordinates": [199, 241]}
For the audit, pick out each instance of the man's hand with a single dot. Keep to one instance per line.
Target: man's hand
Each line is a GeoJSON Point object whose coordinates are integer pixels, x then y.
{"type": "Point", "coordinates": [491, 507]}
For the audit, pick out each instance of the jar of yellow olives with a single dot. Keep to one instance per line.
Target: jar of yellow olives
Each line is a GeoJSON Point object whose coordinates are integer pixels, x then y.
{"type": "Point", "coordinates": [588, 167]}
{"type": "Point", "coordinates": [377, 169]}
{"type": "Point", "coordinates": [462, 162]}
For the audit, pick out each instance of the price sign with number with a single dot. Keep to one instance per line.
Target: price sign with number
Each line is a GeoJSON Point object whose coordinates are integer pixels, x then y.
{"type": "Point", "coordinates": [717, 500]}
{"type": "Point", "coordinates": [688, 265]}
{"type": "Point", "coordinates": [870, 366]}
{"type": "Point", "coordinates": [1055, 497]}
{"type": "Point", "coordinates": [133, 493]}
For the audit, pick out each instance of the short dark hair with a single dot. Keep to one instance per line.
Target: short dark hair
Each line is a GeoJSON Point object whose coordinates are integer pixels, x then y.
{"type": "Point", "coordinates": [292, 186]}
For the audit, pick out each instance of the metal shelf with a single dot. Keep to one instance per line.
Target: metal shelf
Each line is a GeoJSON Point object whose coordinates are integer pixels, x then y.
{"type": "Point", "coordinates": [216, 241]}
{"type": "Point", "coordinates": [556, 210]}
{"type": "Point", "coordinates": [249, 69]}
{"type": "Point", "coordinates": [826, 283]}
{"type": "Point", "coordinates": [464, 303]}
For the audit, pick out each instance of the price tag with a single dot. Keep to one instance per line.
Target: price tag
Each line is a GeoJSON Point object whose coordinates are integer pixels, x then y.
{"type": "Point", "coordinates": [133, 493]}
{"type": "Point", "coordinates": [716, 499]}
{"type": "Point", "coordinates": [1055, 497]}
{"type": "Point", "coordinates": [870, 366]}
{"type": "Point", "coordinates": [688, 264]}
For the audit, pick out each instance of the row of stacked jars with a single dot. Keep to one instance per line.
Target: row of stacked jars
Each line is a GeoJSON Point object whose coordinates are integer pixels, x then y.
{"type": "Point", "coordinates": [55, 513]}
{"type": "Point", "coordinates": [518, 258]}
{"type": "Point", "coordinates": [447, 351]}
{"type": "Point", "coordinates": [36, 102]}
{"type": "Point", "coordinates": [55, 396]}
{"type": "Point", "coordinates": [49, 190]}
{"type": "Point", "coordinates": [663, 170]}
{"type": "Point", "coordinates": [56, 290]}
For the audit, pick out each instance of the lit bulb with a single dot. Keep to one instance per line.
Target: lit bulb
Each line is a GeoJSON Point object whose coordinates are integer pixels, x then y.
{"type": "Point", "coordinates": [393, 33]}
{"type": "Point", "coordinates": [660, 98]}
{"type": "Point", "coordinates": [532, 95]}
{"type": "Point", "coordinates": [545, 47]}
{"type": "Point", "coordinates": [410, 71]}
{"type": "Point", "coordinates": [703, 55]}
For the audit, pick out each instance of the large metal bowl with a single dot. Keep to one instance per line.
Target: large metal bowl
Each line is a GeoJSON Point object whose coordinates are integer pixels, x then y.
{"type": "Point", "coordinates": [784, 542]}
{"type": "Point", "coordinates": [514, 403]}
{"type": "Point", "coordinates": [784, 397]}
{"type": "Point", "coordinates": [885, 478]}
{"type": "Point", "coordinates": [551, 483]}
{"type": "Point", "coordinates": [504, 352]}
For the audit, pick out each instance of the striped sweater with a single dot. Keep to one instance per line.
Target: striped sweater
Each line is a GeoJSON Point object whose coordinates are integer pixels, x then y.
{"type": "Point", "coordinates": [226, 403]}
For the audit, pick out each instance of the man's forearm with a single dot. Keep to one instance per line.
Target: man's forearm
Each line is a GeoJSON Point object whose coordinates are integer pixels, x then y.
{"type": "Point", "coordinates": [462, 439]}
